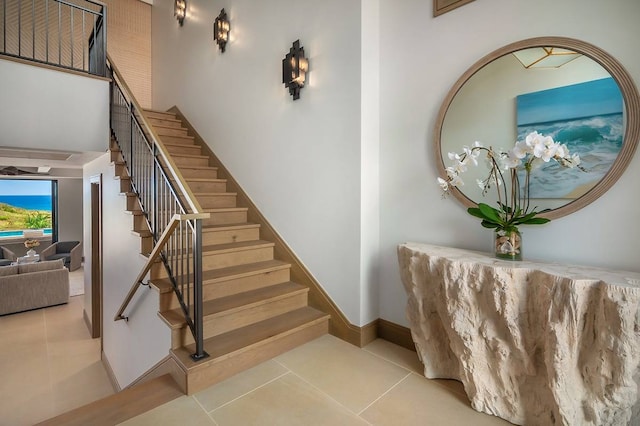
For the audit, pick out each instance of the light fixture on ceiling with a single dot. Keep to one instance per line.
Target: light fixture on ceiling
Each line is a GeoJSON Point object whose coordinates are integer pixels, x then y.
{"type": "Point", "coordinates": [221, 29]}
{"type": "Point", "coordinates": [180, 10]}
{"type": "Point", "coordinates": [545, 57]}
{"type": "Point", "coordinates": [294, 69]}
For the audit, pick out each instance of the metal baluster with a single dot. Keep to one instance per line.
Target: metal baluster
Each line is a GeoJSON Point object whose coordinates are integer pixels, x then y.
{"type": "Point", "coordinates": [33, 29]}
{"type": "Point", "coordinates": [84, 67]}
{"type": "Point", "coordinates": [59, 33]}
{"type": "Point", "coordinates": [4, 26]}
{"type": "Point", "coordinates": [46, 23]}
{"type": "Point", "coordinates": [71, 32]}
{"type": "Point", "coordinates": [19, 27]}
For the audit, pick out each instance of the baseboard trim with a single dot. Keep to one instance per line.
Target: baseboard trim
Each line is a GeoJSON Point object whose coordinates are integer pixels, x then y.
{"type": "Point", "coordinates": [110, 373]}
{"type": "Point", "coordinates": [87, 321]}
{"type": "Point", "coordinates": [166, 365]}
{"type": "Point", "coordinates": [395, 333]}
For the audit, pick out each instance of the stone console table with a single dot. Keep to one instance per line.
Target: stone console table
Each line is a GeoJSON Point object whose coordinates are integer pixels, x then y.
{"type": "Point", "coordinates": [533, 343]}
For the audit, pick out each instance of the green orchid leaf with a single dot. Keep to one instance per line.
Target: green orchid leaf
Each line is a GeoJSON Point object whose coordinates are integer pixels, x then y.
{"type": "Point", "coordinates": [474, 211]}
{"type": "Point", "coordinates": [490, 213]}
{"type": "Point", "coordinates": [490, 225]}
{"type": "Point", "coordinates": [536, 221]}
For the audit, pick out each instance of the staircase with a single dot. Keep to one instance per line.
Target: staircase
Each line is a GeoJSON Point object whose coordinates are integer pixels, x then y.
{"type": "Point", "coordinates": [252, 311]}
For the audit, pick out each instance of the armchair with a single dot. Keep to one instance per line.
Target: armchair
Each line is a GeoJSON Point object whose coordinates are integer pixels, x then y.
{"type": "Point", "coordinates": [69, 251]}
{"type": "Point", "coordinates": [6, 256]}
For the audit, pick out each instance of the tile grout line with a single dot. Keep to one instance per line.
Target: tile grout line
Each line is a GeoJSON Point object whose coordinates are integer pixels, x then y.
{"type": "Point", "coordinates": [388, 360]}
{"type": "Point", "coordinates": [384, 393]}
{"type": "Point", "coordinates": [247, 393]}
{"type": "Point", "coordinates": [204, 409]}
{"type": "Point", "coordinates": [328, 396]}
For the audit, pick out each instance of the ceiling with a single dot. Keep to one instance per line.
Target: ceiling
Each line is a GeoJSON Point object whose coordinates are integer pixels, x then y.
{"type": "Point", "coordinates": [51, 162]}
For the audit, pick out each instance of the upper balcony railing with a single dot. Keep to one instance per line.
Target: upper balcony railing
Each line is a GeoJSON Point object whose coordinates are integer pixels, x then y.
{"type": "Point", "coordinates": [70, 34]}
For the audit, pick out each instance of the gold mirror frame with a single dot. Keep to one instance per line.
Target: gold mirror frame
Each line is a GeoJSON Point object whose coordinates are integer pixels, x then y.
{"type": "Point", "coordinates": [610, 64]}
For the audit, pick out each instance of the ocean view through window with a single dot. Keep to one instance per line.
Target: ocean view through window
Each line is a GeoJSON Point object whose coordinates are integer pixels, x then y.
{"type": "Point", "coordinates": [27, 205]}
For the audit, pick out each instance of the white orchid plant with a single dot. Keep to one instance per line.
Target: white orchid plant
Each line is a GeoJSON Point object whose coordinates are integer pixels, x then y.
{"type": "Point", "coordinates": [513, 201]}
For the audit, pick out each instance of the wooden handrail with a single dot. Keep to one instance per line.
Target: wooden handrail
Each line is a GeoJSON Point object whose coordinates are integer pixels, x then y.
{"type": "Point", "coordinates": [191, 200]}
{"type": "Point", "coordinates": [175, 220]}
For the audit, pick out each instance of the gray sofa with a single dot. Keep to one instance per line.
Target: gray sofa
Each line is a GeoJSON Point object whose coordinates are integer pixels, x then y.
{"type": "Point", "coordinates": [33, 285]}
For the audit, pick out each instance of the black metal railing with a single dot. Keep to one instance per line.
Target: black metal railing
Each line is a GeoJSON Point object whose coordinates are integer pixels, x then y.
{"type": "Point", "coordinates": [64, 33]}
{"type": "Point", "coordinates": [173, 217]}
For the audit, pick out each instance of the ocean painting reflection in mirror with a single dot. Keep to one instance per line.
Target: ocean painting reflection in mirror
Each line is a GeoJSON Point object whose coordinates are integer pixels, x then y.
{"type": "Point", "coordinates": [588, 118]}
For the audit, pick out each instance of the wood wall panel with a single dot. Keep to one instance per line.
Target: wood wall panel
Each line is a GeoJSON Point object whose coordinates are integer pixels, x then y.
{"type": "Point", "coordinates": [128, 36]}
{"type": "Point", "coordinates": [129, 44]}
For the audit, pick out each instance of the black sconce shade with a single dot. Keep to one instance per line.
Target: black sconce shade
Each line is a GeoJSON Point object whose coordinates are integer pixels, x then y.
{"type": "Point", "coordinates": [294, 69]}
{"type": "Point", "coordinates": [221, 29]}
{"type": "Point", "coordinates": [180, 10]}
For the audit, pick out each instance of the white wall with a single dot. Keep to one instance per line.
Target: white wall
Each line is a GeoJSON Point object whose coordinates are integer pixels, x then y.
{"type": "Point", "coordinates": [132, 347]}
{"type": "Point", "coordinates": [70, 215]}
{"type": "Point", "coordinates": [300, 161]}
{"type": "Point", "coordinates": [66, 112]}
{"type": "Point", "coordinates": [420, 60]}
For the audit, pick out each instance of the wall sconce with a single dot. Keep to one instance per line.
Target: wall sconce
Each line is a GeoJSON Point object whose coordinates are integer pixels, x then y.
{"type": "Point", "coordinates": [294, 69]}
{"type": "Point", "coordinates": [180, 10]}
{"type": "Point", "coordinates": [221, 30]}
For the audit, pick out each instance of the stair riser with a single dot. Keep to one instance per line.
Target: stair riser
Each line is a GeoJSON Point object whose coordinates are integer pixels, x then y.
{"type": "Point", "coordinates": [210, 374]}
{"type": "Point", "coordinates": [119, 170]}
{"type": "Point", "coordinates": [188, 140]}
{"type": "Point", "coordinates": [161, 115]}
{"type": "Point", "coordinates": [219, 324]}
{"type": "Point", "coordinates": [132, 203]}
{"type": "Point", "coordinates": [165, 122]}
{"type": "Point", "coordinates": [168, 131]}
{"type": "Point", "coordinates": [184, 149]}
{"type": "Point", "coordinates": [190, 161]}
{"type": "Point", "coordinates": [125, 185]}
{"type": "Point", "coordinates": [217, 201]}
{"type": "Point", "coordinates": [214, 290]}
{"type": "Point", "coordinates": [223, 260]}
{"type": "Point", "coordinates": [199, 186]}
{"type": "Point", "coordinates": [114, 155]}
{"type": "Point", "coordinates": [140, 223]}
{"type": "Point", "coordinates": [225, 218]}
{"type": "Point", "coordinates": [146, 245]}
{"type": "Point", "coordinates": [230, 236]}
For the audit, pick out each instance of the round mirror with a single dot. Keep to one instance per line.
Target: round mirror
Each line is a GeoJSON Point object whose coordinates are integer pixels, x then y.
{"type": "Point", "coordinates": [559, 87]}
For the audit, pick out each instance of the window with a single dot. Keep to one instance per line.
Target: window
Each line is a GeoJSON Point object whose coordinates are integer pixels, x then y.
{"type": "Point", "coordinates": [28, 204]}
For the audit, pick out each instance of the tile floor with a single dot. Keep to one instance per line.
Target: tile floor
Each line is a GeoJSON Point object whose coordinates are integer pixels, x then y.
{"type": "Point", "coordinates": [327, 382]}
{"type": "Point", "coordinates": [49, 364]}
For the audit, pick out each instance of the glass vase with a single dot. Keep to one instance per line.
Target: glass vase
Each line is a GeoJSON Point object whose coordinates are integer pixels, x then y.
{"type": "Point", "coordinates": [31, 252]}
{"type": "Point", "coordinates": [508, 244]}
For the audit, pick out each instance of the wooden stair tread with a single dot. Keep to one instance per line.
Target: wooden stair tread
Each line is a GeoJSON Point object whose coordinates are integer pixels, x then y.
{"type": "Point", "coordinates": [226, 209]}
{"type": "Point", "coordinates": [180, 145]}
{"type": "Point", "coordinates": [195, 156]}
{"type": "Point", "coordinates": [121, 406]}
{"type": "Point", "coordinates": [163, 285]}
{"type": "Point", "coordinates": [211, 308]}
{"type": "Point", "coordinates": [199, 168]}
{"type": "Point", "coordinates": [215, 180]}
{"type": "Point", "coordinates": [156, 111]}
{"type": "Point", "coordinates": [229, 227]}
{"type": "Point", "coordinates": [229, 194]}
{"type": "Point", "coordinates": [242, 339]}
{"type": "Point", "coordinates": [237, 246]}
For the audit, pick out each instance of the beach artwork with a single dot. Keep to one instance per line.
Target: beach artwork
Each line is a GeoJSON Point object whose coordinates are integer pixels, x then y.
{"type": "Point", "coordinates": [587, 117]}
